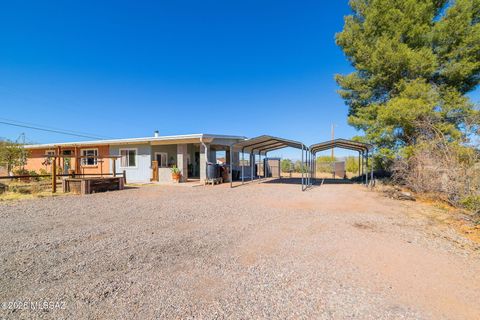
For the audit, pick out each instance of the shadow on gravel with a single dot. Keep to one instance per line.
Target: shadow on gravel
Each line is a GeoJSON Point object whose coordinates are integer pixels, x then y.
{"type": "Point", "coordinates": [316, 182]}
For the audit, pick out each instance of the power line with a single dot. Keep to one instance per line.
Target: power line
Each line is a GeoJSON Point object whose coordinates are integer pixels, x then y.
{"type": "Point", "coordinates": [53, 128]}
{"type": "Point", "coordinates": [50, 130]}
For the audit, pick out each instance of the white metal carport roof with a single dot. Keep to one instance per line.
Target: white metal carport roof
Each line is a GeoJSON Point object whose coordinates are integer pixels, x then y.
{"type": "Point", "coordinates": [265, 143]}
{"type": "Point", "coordinates": [261, 145]}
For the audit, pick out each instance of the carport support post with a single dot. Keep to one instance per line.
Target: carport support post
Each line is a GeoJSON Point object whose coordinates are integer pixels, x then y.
{"type": "Point", "coordinates": [361, 174]}
{"type": "Point", "coordinates": [359, 155]}
{"type": "Point", "coordinates": [231, 166]}
{"type": "Point", "coordinates": [366, 170]}
{"type": "Point", "coordinates": [307, 167]}
{"type": "Point", "coordinates": [301, 168]}
{"type": "Point", "coordinates": [259, 163]}
{"type": "Point", "coordinates": [252, 164]}
{"type": "Point", "coordinates": [311, 169]}
{"type": "Point", "coordinates": [243, 165]}
{"type": "Point", "coordinates": [265, 161]}
{"type": "Point", "coordinates": [371, 172]}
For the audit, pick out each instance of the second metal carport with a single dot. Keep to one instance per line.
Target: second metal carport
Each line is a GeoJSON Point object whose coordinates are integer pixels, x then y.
{"type": "Point", "coordinates": [362, 148]}
{"type": "Point", "coordinates": [261, 145]}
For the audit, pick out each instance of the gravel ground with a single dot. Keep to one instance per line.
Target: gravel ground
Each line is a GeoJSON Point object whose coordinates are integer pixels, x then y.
{"type": "Point", "coordinates": [257, 251]}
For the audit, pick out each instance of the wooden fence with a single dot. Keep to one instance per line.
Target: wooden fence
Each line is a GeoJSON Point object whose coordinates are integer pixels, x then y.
{"type": "Point", "coordinates": [54, 176]}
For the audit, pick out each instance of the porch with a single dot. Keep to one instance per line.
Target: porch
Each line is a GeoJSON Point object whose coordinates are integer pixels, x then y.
{"type": "Point", "coordinates": [190, 158]}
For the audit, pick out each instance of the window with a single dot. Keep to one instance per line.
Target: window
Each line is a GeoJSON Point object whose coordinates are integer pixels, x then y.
{"type": "Point", "coordinates": [50, 153]}
{"type": "Point", "coordinates": [90, 157]}
{"type": "Point", "coordinates": [128, 158]}
{"type": "Point", "coordinates": [162, 159]}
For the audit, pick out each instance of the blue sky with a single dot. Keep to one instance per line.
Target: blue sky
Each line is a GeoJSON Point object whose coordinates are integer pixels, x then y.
{"type": "Point", "coordinates": [126, 68]}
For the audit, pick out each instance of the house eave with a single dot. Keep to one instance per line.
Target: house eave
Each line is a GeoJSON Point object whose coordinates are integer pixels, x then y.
{"type": "Point", "coordinates": [188, 138]}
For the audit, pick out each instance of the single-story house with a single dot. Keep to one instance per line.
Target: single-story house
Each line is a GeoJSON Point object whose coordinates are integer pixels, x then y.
{"type": "Point", "coordinates": [190, 153]}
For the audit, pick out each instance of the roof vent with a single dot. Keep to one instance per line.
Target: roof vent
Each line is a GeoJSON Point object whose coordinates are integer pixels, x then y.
{"type": "Point", "coordinates": [156, 134]}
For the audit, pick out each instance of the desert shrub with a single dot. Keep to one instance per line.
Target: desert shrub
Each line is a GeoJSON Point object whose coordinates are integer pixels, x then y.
{"type": "Point", "coordinates": [23, 189]}
{"type": "Point", "coordinates": [44, 172]}
{"type": "Point", "coordinates": [436, 166]}
{"type": "Point", "coordinates": [25, 172]}
{"type": "Point", "coordinates": [471, 203]}
{"type": "Point", "coordinates": [39, 187]}
{"type": "Point", "coordinates": [286, 165]}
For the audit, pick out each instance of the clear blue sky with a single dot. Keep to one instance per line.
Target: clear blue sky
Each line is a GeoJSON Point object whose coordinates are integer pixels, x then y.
{"type": "Point", "coordinates": [125, 68]}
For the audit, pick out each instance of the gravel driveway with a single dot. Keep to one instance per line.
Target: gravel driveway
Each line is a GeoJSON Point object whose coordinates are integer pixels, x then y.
{"type": "Point", "coordinates": [257, 251]}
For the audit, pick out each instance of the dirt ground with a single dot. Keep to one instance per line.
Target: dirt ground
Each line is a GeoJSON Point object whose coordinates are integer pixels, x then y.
{"type": "Point", "coordinates": [257, 251]}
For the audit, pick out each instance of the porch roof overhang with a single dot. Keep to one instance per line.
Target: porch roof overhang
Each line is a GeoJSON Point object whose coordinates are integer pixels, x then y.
{"type": "Point", "coordinates": [187, 138]}
{"type": "Point", "coordinates": [265, 143]}
{"type": "Point", "coordinates": [341, 143]}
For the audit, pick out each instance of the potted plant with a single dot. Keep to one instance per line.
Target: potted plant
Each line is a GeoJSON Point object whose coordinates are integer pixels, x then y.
{"type": "Point", "coordinates": [176, 174]}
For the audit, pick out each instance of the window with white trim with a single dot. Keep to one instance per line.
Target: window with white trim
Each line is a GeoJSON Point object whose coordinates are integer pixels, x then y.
{"type": "Point", "coordinates": [162, 159]}
{"type": "Point", "coordinates": [89, 157]}
{"type": "Point", "coordinates": [128, 158]}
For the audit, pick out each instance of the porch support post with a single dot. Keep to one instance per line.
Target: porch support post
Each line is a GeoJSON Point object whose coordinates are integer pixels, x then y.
{"type": "Point", "coordinates": [182, 162]}
{"type": "Point", "coordinates": [204, 151]}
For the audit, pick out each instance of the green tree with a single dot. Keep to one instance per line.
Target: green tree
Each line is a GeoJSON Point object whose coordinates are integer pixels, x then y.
{"type": "Point", "coordinates": [299, 167]}
{"type": "Point", "coordinates": [325, 163]}
{"type": "Point", "coordinates": [12, 155]}
{"type": "Point", "coordinates": [351, 164]}
{"type": "Point", "coordinates": [414, 61]}
{"type": "Point", "coordinates": [286, 165]}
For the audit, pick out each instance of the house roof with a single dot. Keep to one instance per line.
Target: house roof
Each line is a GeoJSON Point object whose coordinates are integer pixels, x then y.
{"type": "Point", "coordinates": [186, 137]}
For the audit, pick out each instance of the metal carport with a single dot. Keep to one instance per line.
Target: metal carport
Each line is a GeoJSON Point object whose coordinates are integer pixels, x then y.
{"type": "Point", "coordinates": [261, 145]}
{"type": "Point", "coordinates": [362, 148]}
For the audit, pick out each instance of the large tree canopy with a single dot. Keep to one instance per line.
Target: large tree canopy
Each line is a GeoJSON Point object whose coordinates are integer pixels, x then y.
{"type": "Point", "coordinates": [414, 61]}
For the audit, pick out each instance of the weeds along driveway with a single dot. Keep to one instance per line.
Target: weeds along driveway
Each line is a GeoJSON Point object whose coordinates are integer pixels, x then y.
{"type": "Point", "coordinates": [257, 251]}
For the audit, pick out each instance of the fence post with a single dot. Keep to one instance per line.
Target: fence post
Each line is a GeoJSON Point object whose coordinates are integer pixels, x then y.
{"type": "Point", "coordinates": [124, 176]}
{"type": "Point", "coordinates": [155, 170]}
{"type": "Point", "coordinates": [54, 175]}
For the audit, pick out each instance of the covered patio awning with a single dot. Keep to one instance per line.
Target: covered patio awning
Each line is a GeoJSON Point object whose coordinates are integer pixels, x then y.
{"type": "Point", "coordinates": [340, 143]}
{"type": "Point", "coordinates": [263, 144]}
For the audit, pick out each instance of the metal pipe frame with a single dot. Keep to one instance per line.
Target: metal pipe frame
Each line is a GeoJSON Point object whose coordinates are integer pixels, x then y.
{"type": "Point", "coordinates": [366, 170]}
{"type": "Point", "coordinates": [252, 165]}
{"type": "Point", "coordinates": [243, 166]}
{"type": "Point", "coordinates": [301, 169]}
{"type": "Point", "coordinates": [231, 166]}
{"type": "Point", "coordinates": [371, 172]}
